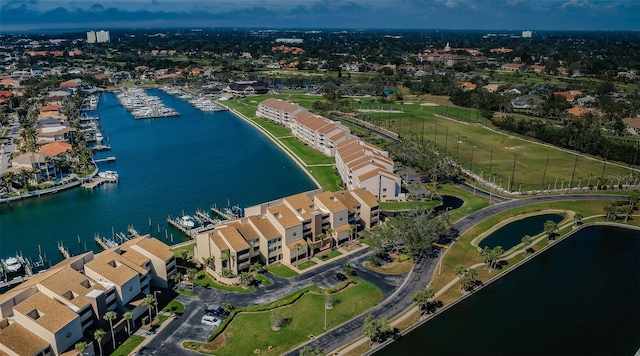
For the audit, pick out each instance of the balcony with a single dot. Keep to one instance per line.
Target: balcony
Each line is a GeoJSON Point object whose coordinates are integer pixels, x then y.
{"type": "Point", "coordinates": [244, 256]}
{"type": "Point", "coordinates": [244, 265]}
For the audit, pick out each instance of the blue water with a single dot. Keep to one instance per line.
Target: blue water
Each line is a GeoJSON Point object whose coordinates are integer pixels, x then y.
{"type": "Point", "coordinates": [512, 233]}
{"type": "Point", "coordinates": [166, 166]}
{"type": "Point", "coordinates": [581, 297]}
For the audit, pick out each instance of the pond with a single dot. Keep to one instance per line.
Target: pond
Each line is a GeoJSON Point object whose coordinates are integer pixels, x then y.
{"type": "Point", "coordinates": [511, 234]}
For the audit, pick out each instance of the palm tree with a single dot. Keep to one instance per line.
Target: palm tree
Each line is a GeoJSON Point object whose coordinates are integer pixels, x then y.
{"type": "Point", "coordinates": [176, 279]}
{"type": "Point", "coordinates": [578, 218]}
{"type": "Point", "coordinates": [459, 270]}
{"type": "Point", "coordinates": [298, 246]}
{"type": "Point", "coordinates": [192, 276]}
{"type": "Point", "coordinates": [25, 177]}
{"type": "Point", "coordinates": [99, 335]}
{"type": "Point", "coordinates": [149, 301]}
{"type": "Point", "coordinates": [526, 241]}
{"type": "Point", "coordinates": [210, 262]}
{"type": "Point", "coordinates": [256, 267]}
{"type": "Point", "coordinates": [81, 346]}
{"type": "Point", "coordinates": [550, 228]}
{"type": "Point", "coordinates": [246, 278]}
{"type": "Point", "coordinates": [111, 316]}
{"type": "Point", "coordinates": [7, 180]}
{"type": "Point", "coordinates": [421, 298]}
{"type": "Point", "coordinates": [129, 317]}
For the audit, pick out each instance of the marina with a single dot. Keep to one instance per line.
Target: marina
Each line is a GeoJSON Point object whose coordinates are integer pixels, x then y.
{"type": "Point", "coordinates": [144, 106]}
{"type": "Point", "coordinates": [153, 173]}
{"type": "Point", "coordinates": [200, 102]}
{"type": "Point", "coordinates": [102, 177]}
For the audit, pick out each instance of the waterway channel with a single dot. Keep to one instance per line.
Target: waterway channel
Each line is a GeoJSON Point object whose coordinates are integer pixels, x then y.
{"type": "Point", "coordinates": [580, 297]}
{"type": "Point", "coordinates": [166, 166]}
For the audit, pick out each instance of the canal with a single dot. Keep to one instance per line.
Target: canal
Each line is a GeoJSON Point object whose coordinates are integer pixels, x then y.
{"type": "Point", "coordinates": [166, 166]}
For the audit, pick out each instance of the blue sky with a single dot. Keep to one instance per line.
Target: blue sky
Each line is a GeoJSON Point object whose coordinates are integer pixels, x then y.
{"type": "Point", "coordinates": [22, 15]}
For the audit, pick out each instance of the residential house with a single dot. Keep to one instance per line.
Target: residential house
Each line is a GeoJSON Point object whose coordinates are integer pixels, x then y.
{"type": "Point", "coordinates": [247, 88]}
{"type": "Point", "coordinates": [512, 67]}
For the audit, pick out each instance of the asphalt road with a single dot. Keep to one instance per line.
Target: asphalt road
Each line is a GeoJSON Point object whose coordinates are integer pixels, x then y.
{"type": "Point", "coordinates": [397, 290]}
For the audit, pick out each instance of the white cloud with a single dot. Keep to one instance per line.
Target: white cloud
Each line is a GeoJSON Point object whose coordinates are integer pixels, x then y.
{"type": "Point", "coordinates": [576, 3]}
{"type": "Point", "coordinates": [450, 4]}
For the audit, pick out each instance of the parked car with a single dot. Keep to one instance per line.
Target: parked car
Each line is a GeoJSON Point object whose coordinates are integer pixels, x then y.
{"type": "Point", "coordinates": [210, 320]}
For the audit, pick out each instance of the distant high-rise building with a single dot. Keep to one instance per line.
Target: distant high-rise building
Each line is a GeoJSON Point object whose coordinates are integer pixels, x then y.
{"type": "Point", "coordinates": [103, 36]}
{"type": "Point", "coordinates": [91, 37]}
{"type": "Point", "coordinates": [527, 34]}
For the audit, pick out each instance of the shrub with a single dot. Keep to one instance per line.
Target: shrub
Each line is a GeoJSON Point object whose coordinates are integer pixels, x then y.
{"type": "Point", "coordinates": [403, 258]}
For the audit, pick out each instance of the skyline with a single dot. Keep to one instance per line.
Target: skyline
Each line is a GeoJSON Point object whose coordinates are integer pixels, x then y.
{"type": "Point", "coordinates": [545, 15]}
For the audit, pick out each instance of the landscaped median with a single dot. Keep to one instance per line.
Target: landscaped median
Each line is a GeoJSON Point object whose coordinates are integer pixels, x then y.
{"type": "Point", "coordinates": [302, 316]}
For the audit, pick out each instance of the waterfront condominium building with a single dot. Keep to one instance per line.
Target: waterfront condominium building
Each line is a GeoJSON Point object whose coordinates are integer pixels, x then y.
{"type": "Point", "coordinates": [288, 229]}
{"type": "Point", "coordinates": [50, 313]}
{"type": "Point", "coordinates": [360, 164]}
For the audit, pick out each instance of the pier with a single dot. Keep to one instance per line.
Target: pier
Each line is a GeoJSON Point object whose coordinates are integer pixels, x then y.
{"type": "Point", "coordinates": [101, 148]}
{"type": "Point", "coordinates": [231, 213]}
{"type": "Point", "coordinates": [211, 224]}
{"type": "Point", "coordinates": [108, 159]}
{"type": "Point", "coordinates": [63, 250]}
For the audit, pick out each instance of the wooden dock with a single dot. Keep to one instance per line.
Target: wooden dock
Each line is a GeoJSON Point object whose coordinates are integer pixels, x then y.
{"type": "Point", "coordinates": [108, 159]}
{"type": "Point", "coordinates": [225, 215]}
{"type": "Point", "coordinates": [191, 232]}
{"type": "Point", "coordinates": [96, 181]}
{"type": "Point", "coordinates": [63, 250]}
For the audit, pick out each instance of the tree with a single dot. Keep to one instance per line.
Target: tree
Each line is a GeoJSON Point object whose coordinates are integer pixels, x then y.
{"type": "Point", "coordinates": [276, 320]}
{"type": "Point", "coordinates": [256, 267]}
{"type": "Point", "coordinates": [578, 218]}
{"type": "Point", "coordinates": [310, 351]}
{"type": "Point", "coordinates": [298, 246]}
{"type": "Point", "coordinates": [348, 270]}
{"type": "Point", "coordinates": [210, 262]}
{"type": "Point", "coordinates": [421, 298]}
{"type": "Point", "coordinates": [550, 228]}
{"type": "Point", "coordinates": [459, 270]}
{"type": "Point", "coordinates": [81, 347]}
{"type": "Point", "coordinates": [375, 329]}
{"type": "Point", "coordinates": [491, 256]}
{"type": "Point", "coordinates": [246, 278]}
{"type": "Point", "coordinates": [227, 307]}
{"type": "Point", "coordinates": [110, 316]}
{"type": "Point", "coordinates": [176, 278]}
{"type": "Point", "coordinates": [149, 301]}
{"type": "Point", "coordinates": [192, 277]}
{"type": "Point", "coordinates": [128, 316]}
{"type": "Point", "coordinates": [526, 241]}
{"type": "Point", "coordinates": [7, 180]}
{"type": "Point", "coordinates": [99, 335]}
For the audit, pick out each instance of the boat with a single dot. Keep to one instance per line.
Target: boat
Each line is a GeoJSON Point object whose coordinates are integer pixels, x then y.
{"type": "Point", "coordinates": [12, 264]}
{"type": "Point", "coordinates": [109, 175]}
{"type": "Point", "coordinates": [187, 222]}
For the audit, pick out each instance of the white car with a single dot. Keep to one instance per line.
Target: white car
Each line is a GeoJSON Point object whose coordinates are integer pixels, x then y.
{"type": "Point", "coordinates": [210, 320]}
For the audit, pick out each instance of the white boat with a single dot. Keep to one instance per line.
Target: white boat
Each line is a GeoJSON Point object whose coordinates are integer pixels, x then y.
{"type": "Point", "coordinates": [187, 221]}
{"type": "Point", "coordinates": [12, 264]}
{"type": "Point", "coordinates": [111, 175]}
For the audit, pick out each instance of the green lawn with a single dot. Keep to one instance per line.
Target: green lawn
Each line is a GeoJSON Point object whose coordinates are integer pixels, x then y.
{"type": "Point", "coordinates": [189, 248]}
{"type": "Point", "coordinates": [127, 347]}
{"type": "Point", "coordinates": [187, 292]}
{"type": "Point", "coordinates": [327, 177]}
{"type": "Point", "coordinates": [471, 202]}
{"type": "Point", "coordinates": [282, 271]}
{"type": "Point", "coordinates": [305, 265]}
{"type": "Point", "coordinates": [307, 154]}
{"type": "Point", "coordinates": [263, 280]}
{"type": "Point", "coordinates": [250, 331]}
{"type": "Point", "coordinates": [206, 281]}
{"type": "Point", "coordinates": [406, 205]}
{"type": "Point", "coordinates": [330, 255]}
{"type": "Point", "coordinates": [174, 306]}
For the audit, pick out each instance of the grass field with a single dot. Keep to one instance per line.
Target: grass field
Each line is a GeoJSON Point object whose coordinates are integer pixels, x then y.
{"type": "Point", "coordinates": [127, 347]}
{"type": "Point", "coordinates": [406, 205]}
{"type": "Point", "coordinates": [491, 154]}
{"type": "Point", "coordinates": [282, 271]}
{"type": "Point", "coordinates": [251, 331]}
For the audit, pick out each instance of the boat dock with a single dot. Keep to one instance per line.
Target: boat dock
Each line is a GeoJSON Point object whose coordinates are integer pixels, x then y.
{"type": "Point", "coordinates": [101, 148]}
{"type": "Point", "coordinates": [63, 250]}
{"type": "Point", "coordinates": [210, 225]}
{"type": "Point", "coordinates": [108, 159]}
{"type": "Point", "coordinates": [231, 213]}
{"type": "Point", "coordinates": [94, 182]}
